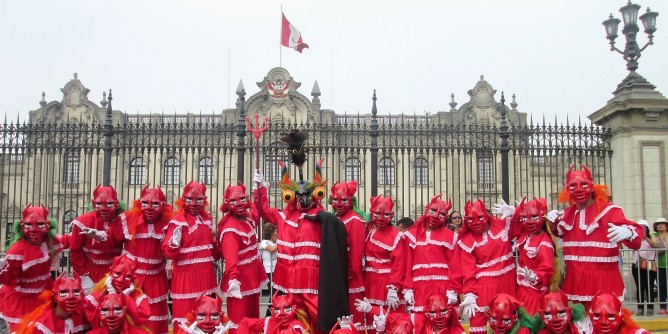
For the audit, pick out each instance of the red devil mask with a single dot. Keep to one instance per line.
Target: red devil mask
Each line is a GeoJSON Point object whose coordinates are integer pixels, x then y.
{"type": "Point", "coordinates": [437, 212]}
{"type": "Point", "coordinates": [152, 203]}
{"type": "Point", "coordinates": [532, 214]}
{"type": "Point", "coordinates": [502, 313]}
{"type": "Point", "coordinates": [605, 313]}
{"type": "Point", "coordinates": [105, 202]}
{"type": "Point", "coordinates": [208, 313]}
{"type": "Point", "coordinates": [35, 224]}
{"type": "Point", "coordinates": [194, 198]}
{"type": "Point", "coordinates": [112, 312]}
{"type": "Point", "coordinates": [437, 312]}
{"type": "Point", "coordinates": [555, 312]}
{"type": "Point", "coordinates": [381, 211]}
{"type": "Point", "coordinates": [341, 197]}
{"type": "Point", "coordinates": [122, 273]}
{"type": "Point", "coordinates": [67, 293]}
{"type": "Point", "coordinates": [399, 323]}
{"type": "Point", "coordinates": [580, 185]}
{"type": "Point", "coordinates": [236, 201]}
{"type": "Point", "coordinates": [283, 308]}
{"type": "Point", "coordinates": [476, 216]}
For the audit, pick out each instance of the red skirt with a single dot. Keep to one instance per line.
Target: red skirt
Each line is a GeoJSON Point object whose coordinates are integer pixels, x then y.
{"type": "Point", "coordinates": [581, 286]}
{"type": "Point", "coordinates": [15, 305]}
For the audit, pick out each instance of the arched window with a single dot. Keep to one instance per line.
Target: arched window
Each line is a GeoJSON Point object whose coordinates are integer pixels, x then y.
{"type": "Point", "coordinates": [71, 168]}
{"type": "Point", "coordinates": [420, 172]}
{"type": "Point", "coordinates": [172, 171]}
{"type": "Point", "coordinates": [68, 217]}
{"type": "Point", "coordinates": [137, 171]}
{"type": "Point", "coordinates": [206, 170]}
{"type": "Point", "coordinates": [485, 162]}
{"type": "Point", "coordinates": [386, 172]}
{"type": "Point", "coordinates": [353, 169]}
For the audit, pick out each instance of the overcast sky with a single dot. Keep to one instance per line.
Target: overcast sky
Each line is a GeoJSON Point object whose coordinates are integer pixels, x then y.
{"type": "Point", "coordinates": [188, 56]}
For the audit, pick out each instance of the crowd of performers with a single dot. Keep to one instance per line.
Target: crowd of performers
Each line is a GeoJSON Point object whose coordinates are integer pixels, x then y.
{"type": "Point", "coordinates": [346, 271]}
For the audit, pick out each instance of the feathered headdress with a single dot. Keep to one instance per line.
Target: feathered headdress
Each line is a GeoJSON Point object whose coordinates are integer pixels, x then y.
{"type": "Point", "coordinates": [295, 141]}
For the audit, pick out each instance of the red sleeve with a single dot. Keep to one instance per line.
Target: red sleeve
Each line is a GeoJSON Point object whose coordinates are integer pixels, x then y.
{"type": "Point", "coordinates": [251, 326]}
{"type": "Point", "coordinates": [91, 303]}
{"type": "Point", "coordinates": [171, 252]}
{"type": "Point", "coordinates": [408, 274]}
{"type": "Point", "coordinates": [467, 261]}
{"type": "Point", "coordinates": [230, 250]}
{"type": "Point", "coordinates": [455, 270]}
{"type": "Point", "coordinates": [398, 260]}
{"type": "Point", "coordinates": [77, 256]}
{"type": "Point", "coordinates": [545, 268]}
{"type": "Point", "coordinates": [11, 272]}
{"type": "Point", "coordinates": [138, 307]}
{"type": "Point", "coordinates": [268, 213]}
{"type": "Point", "coordinates": [356, 235]}
{"type": "Point", "coordinates": [64, 240]}
{"type": "Point", "coordinates": [616, 217]}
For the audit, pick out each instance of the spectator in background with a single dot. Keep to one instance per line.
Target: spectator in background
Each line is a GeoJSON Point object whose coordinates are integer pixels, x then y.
{"type": "Point", "coordinates": [644, 273]}
{"type": "Point", "coordinates": [405, 223]}
{"type": "Point", "coordinates": [268, 250]}
{"type": "Point", "coordinates": [455, 221]}
{"type": "Point", "coordinates": [660, 240]}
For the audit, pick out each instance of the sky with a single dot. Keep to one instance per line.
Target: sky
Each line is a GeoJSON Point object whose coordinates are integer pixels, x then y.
{"type": "Point", "coordinates": [188, 56]}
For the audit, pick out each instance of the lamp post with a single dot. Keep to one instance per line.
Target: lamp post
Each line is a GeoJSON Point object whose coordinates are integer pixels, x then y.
{"type": "Point", "coordinates": [631, 51]}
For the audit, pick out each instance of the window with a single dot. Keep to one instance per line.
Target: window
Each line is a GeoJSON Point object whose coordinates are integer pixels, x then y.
{"type": "Point", "coordinates": [172, 171]}
{"type": "Point", "coordinates": [71, 168]}
{"type": "Point", "coordinates": [353, 170]}
{"type": "Point", "coordinates": [206, 170]}
{"type": "Point", "coordinates": [386, 171]}
{"type": "Point", "coordinates": [420, 172]}
{"type": "Point", "coordinates": [68, 217]}
{"type": "Point", "coordinates": [137, 171]}
{"type": "Point", "coordinates": [16, 157]}
{"type": "Point", "coordinates": [485, 163]}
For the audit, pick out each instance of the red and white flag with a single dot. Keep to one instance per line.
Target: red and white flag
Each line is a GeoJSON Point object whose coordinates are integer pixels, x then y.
{"type": "Point", "coordinates": [290, 36]}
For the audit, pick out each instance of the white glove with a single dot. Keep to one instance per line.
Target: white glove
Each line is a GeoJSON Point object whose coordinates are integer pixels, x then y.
{"type": "Point", "coordinates": [189, 329]}
{"type": "Point", "coordinates": [87, 283]}
{"type": "Point", "coordinates": [409, 296]}
{"type": "Point", "coordinates": [175, 241]}
{"type": "Point", "coordinates": [129, 290]}
{"type": "Point", "coordinates": [94, 234]}
{"type": "Point", "coordinates": [345, 321]}
{"type": "Point", "coordinates": [392, 299]}
{"type": "Point", "coordinates": [470, 306]}
{"type": "Point", "coordinates": [234, 289]}
{"type": "Point", "coordinates": [258, 177]}
{"type": "Point", "coordinates": [3, 262]}
{"type": "Point", "coordinates": [503, 209]}
{"type": "Point", "coordinates": [453, 298]}
{"type": "Point", "coordinates": [379, 321]}
{"type": "Point", "coordinates": [363, 306]}
{"type": "Point", "coordinates": [618, 233]}
{"type": "Point", "coordinates": [223, 328]}
{"type": "Point", "coordinates": [107, 283]}
{"type": "Point", "coordinates": [528, 275]}
{"type": "Point", "coordinates": [554, 215]}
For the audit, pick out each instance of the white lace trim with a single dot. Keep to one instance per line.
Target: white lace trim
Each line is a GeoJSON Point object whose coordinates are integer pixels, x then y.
{"type": "Point", "coordinates": [377, 271]}
{"type": "Point", "coordinates": [158, 317]}
{"type": "Point", "coordinates": [474, 245]}
{"type": "Point", "coordinates": [157, 299]}
{"type": "Point", "coordinates": [248, 249]}
{"type": "Point", "coordinates": [411, 237]}
{"type": "Point", "coordinates": [102, 262]}
{"type": "Point", "coordinates": [524, 282]}
{"type": "Point", "coordinates": [298, 244]}
{"type": "Point", "coordinates": [431, 278]}
{"type": "Point", "coordinates": [246, 292]}
{"type": "Point", "coordinates": [478, 329]}
{"type": "Point", "coordinates": [78, 224]}
{"type": "Point", "coordinates": [286, 290]}
{"type": "Point", "coordinates": [140, 299]}
{"type": "Point", "coordinates": [143, 259]}
{"type": "Point", "coordinates": [45, 330]}
{"type": "Point", "coordinates": [45, 257]}
{"type": "Point", "coordinates": [92, 300]}
{"type": "Point", "coordinates": [377, 260]}
{"type": "Point", "coordinates": [150, 235]}
{"type": "Point", "coordinates": [495, 261]}
{"type": "Point", "coordinates": [356, 290]}
{"type": "Point", "coordinates": [193, 295]}
{"type": "Point", "coordinates": [376, 301]}
{"type": "Point", "coordinates": [186, 250]}
{"type": "Point", "coordinates": [531, 252]}
{"type": "Point", "coordinates": [497, 272]}
{"type": "Point", "coordinates": [298, 257]}
{"type": "Point", "coordinates": [430, 265]}
{"type": "Point", "coordinates": [383, 245]}
{"type": "Point", "coordinates": [92, 251]}
{"type": "Point", "coordinates": [195, 261]}
{"type": "Point", "coordinates": [28, 291]}
{"type": "Point", "coordinates": [599, 259]}
{"type": "Point", "coordinates": [10, 319]}
{"type": "Point", "coordinates": [33, 279]}
{"type": "Point", "coordinates": [14, 257]}
{"type": "Point", "coordinates": [354, 217]}
{"type": "Point", "coordinates": [80, 328]}
{"type": "Point", "coordinates": [149, 272]}
{"type": "Point", "coordinates": [589, 244]}
{"type": "Point", "coordinates": [286, 220]}
{"type": "Point", "coordinates": [584, 298]}
{"type": "Point", "coordinates": [249, 260]}
{"type": "Point", "coordinates": [245, 235]}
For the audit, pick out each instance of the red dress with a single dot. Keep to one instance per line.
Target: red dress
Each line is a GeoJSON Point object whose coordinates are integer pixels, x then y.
{"type": "Point", "coordinates": [592, 261]}
{"type": "Point", "coordinates": [488, 267]}
{"type": "Point", "coordinates": [25, 275]}
{"type": "Point", "coordinates": [89, 256]}
{"type": "Point", "coordinates": [193, 274]}
{"type": "Point", "coordinates": [431, 263]}
{"type": "Point", "coordinates": [238, 244]}
{"type": "Point", "coordinates": [355, 233]}
{"type": "Point", "coordinates": [143, 244]}
{"type": "Point", "coordinates": [536, 253]}
{"type": "Point", "coordinates": [49, 323]}
{"type": "Point", "coordinates": [268, 325]}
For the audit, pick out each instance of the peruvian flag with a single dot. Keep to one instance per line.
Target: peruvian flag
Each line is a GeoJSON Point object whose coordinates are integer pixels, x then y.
{"type": "Point", "coordinates": [290, 36]}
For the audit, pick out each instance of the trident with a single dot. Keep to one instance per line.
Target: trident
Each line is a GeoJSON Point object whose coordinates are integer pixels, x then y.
{"type": "Point", "coordinates": [257, 133]}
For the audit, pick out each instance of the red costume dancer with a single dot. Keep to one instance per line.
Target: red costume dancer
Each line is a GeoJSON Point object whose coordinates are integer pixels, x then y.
{"type": "Point", "coordinates": [431, 262]}
{"type": "Point", "coordinates": [91, 251]}
{"type": "Point", "coordinates": [62, 311]}
{"type": "Point", "coordinates": [608, 316]}
{"type": "Point", "coordinates": [121, 281]}
{"type": "Point", "coordinates": [282, 321]}
{"type": "Point", "coordinates": [25, 269]}
{"type": "Point", "coordinates": [397, 323]}
{"type": "Point", "coordinates": [308, 236]}
{"type": "Point", "coordinates": [488, 267]}
{"type": "Point", "coordinates": [244, 273]}
{"type": "Point", "coordinates": [504, 316]}
{"type": "Point", "coordinates": [113, 312]}
{"type": "Point", "coordinates": [536, 253]}
{"type": "Point", "coordinates": [207, 317]}
{"type": "Point", "coordinates": [344, 202]}
{"type": "Point", "coordinates": [560, 318]}
{"type": "Point", "coordinates": [189, 244]}
{"type": "Point", "coordinates": [143, 234]}
{"type": "Point", "coordinates": [384, 251]}
{"type": "Point", "coordinates": [592, 230]}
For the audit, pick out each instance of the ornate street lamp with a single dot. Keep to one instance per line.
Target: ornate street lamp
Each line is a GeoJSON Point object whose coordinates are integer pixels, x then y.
{"type": "Point", "coordinates": [631, 51]}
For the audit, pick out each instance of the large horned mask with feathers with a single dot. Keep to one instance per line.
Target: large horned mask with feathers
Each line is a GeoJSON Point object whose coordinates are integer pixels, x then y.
{"type": "Point", "coordinates": [304, 193]}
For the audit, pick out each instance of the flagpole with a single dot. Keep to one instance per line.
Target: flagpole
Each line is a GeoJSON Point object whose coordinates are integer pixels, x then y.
{"type": "Point", "coordinates": [280, 39]}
